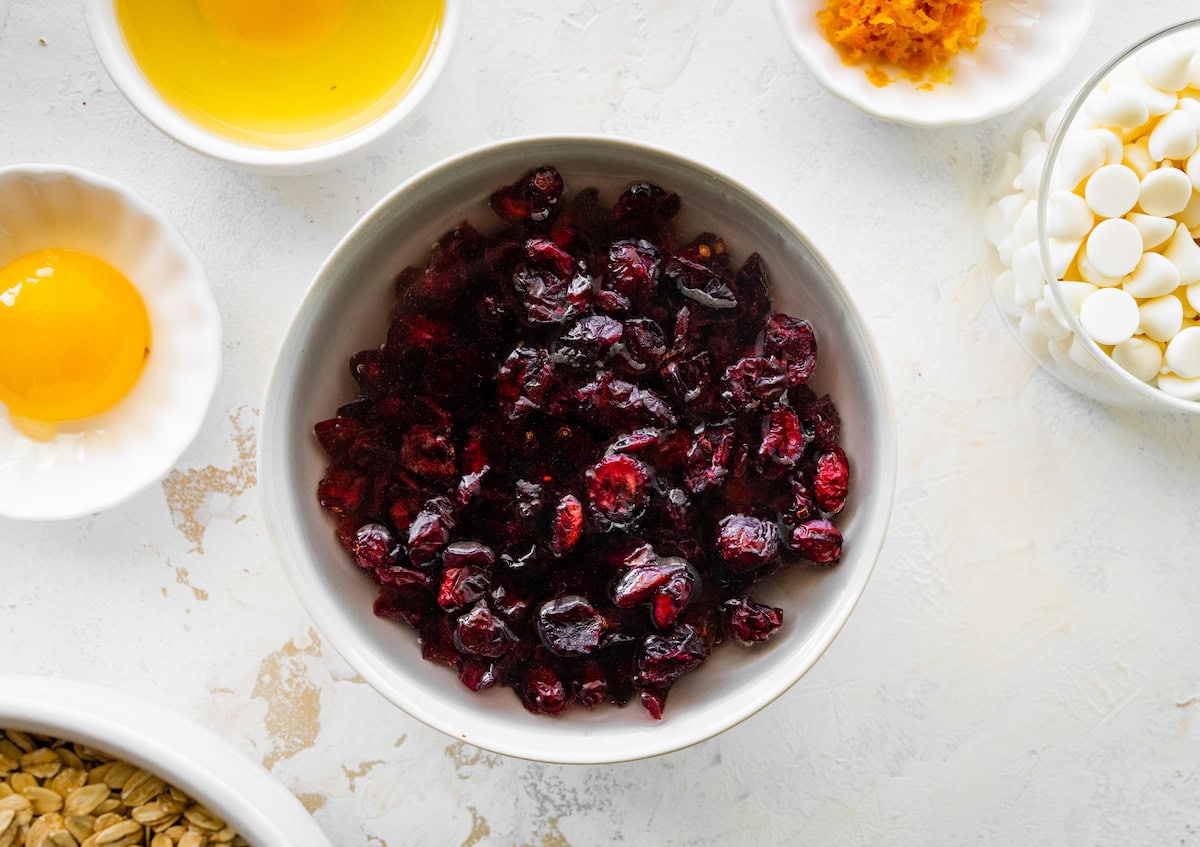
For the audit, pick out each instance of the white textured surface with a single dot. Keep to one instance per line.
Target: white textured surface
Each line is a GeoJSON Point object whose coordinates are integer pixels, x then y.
{"type": "Point", "coordinates": [1021, 668]}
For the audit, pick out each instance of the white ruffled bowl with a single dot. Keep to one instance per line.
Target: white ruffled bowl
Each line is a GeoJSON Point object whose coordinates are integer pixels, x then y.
{"type": "Point", "coordinates": [1025, 45]}
{"type": "Point", "coordinates": [98, 462]}
{"type": "Point", "coordinates": [184, 754]}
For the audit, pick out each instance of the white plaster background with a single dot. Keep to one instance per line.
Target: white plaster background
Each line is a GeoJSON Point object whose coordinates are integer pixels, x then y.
{"type": "Point", "coordinates": [1023, 666]}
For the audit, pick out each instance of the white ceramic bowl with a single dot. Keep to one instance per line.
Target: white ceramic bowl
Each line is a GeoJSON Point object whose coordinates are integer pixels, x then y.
{"type": "Point", "coordinates": [346, 310]}
{"type": "Point", "coordinates": [184, 754]}
{"type": "Point", "coordinates": [98, 462]}
{"type": "Point", "coordinates": [123, 68]}
{"type": "Point", "coordinates": [1025, 45]}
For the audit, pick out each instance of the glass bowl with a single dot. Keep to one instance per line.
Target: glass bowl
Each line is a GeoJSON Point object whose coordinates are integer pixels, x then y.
{"type": "Point", "coordinates": [1039, 282]}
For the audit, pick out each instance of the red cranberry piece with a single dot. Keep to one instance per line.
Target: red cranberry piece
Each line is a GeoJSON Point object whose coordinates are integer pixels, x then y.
{"type": "Point", "coordinates": [341, 492]}
{"type": "Point", "coordinates": [619, 403]}
{"type": "Point", "coordinates": [593, 688]}
{"type": "Point", "coordinates": [371, 449]}
{"type": "Point", "coordinates": [582, 223]}
{"type": "Point", "coordinates": [372, 373]}
{"type": "Point", "coordinates": [638, 441]}
{"type": "Point", "coordinates": [374, 547]}
{"type": "Point", "coordinates": [408, 606]}
{"type": "Point", "coordinates": [428, 452]}
{"type": "Point", "coordinates": [700, 283]}
{"type": "Point", "coordinates": [567, 526]}
{"type": "Point", "coordinates": [677, 513]}
{"type": "Point", "coordinates": [673, 596]}
{"type": "Point", "coordinates": [633, 269]}
{"type": "Point", "coordinates": [437, 642]}
{"type": "Point", "coordinates": [754, 294]}
{"type": "Point", "coordinates": [547, 298]}
{"type": "Point", "coordinates": [337, 434]}
{"type": "Point", "coordinates": [654, 702]}
{"type": "Point", "coordinates": [549, 255]}
{"type": "Point", "coordinates": [643, 345]}
{"type": "Point", "coordinates": [463, 586]}
{"type": "Point", "coordinates": [664, 658]}
{"type": "Point", "coordinates": [430, 531]}
{"type": "Point", "coordinates": [612, 302]}
{"type": "Point", "coordinates": [347, 530]}
{"type": "Point", "coordinates": [750, 622]}
{"type": "Point", "coordinates": [523, 380]}
{"type": "Point", "coordinates": [588, 341]}
{"type": "Point", "coordinates": [570, 626]}
{"type": "Point", "coordinates": [640, 583]}
{"type": "Point", "coordinates": [801, 505]}
{"type": "Point", "coordinates": [531, 198]}
{"type": "Point", "coordinates": [470, 486]}
{"type": "Point", "coordinates": [688, 379]}
{"type": "Point", "coordinates": [821, 423]}
{"type": "Point", "coordinates": [752, 381]}
{"type": "Point", "coordinates": [831, 482]}
{"type": "Point", "coordinates": [480, 633]}
{"type": "Point", "coordinates": [746, 543]}
{"type": "Point", "coordinates": [508, 604]}
{"type": "Point", "coordinates": [645, 203]}
{"type": "Point", "coordinates": [541, 691]}
{"type": "Point", "coordinates": [404, 579]}
{"type": "Point", "coordinates": [463, 554]}
{"type": "Point", "coordinates": [618, 490]}
{"type": "Point", "coordinates": [783, 442]}
{"type": "Point", "coordinates": [412, 332]}
{"type": "Point", "coordinates": [819, 541]}
{"type": "Point", "coordinates": [793, 342]}
{"type": "Point", "coordinates": [448, 272]}
{"type": "Point", "coordinates": [708, 459]}
{"type": "Point", "coordinates": [477, 675]}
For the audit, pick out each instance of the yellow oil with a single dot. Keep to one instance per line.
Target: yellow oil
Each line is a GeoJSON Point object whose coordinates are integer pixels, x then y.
{"type": "Point", "coordinates": [281, 73]}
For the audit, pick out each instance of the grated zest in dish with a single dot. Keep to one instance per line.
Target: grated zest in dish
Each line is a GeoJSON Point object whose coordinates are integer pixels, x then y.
{"type": "Point", "coordinates": [920, 37]}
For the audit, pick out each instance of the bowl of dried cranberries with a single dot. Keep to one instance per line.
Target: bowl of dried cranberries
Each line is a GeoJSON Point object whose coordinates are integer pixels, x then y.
{"type": "Point", "coordinates": [578, 450]}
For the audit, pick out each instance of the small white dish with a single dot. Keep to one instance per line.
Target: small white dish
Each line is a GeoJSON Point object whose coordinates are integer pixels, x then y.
{"type": "Point", "coordinates": [1025, 45]}
{"type": "Point", "coordinates": [183, 753]}
{"type": "Point", "coordinates": [346, 309]}
{"type": "Point", "coordinates": [123, 68]}
{"type": "Point", "coordinates": [95, 463]}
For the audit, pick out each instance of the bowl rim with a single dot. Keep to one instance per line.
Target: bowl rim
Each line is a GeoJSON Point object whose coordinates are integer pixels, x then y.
{"type": "Point", "coordinates": [177, 749]}
{"type": "Point", "coordinates": [323, 613]}
{"type": "Point", "coordinates": [202, 290]}
{"type": "Point", "coordinates": [958, 117]}
{"type": "Point", "coordinates": [130, 81]}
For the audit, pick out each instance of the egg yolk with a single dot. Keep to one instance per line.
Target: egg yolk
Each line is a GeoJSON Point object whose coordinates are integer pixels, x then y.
{"type": "Point", "coordinates": [74, 336]}
{"type": "Point", "coordinates": [281, 73]}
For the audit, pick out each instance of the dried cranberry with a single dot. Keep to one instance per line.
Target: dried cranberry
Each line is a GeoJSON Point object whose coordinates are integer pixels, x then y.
{"type": "Point", "coordinates": [793, 342]}
{"type": "Point", "coordinates": [428, 452]}
{"type": "Point", "coordinates": [620, 403]}
{"type": "Point", "coordinates": [633, 269]}
{"type": "Point", "coordinates": [645, 203]}
{"type": "Point", "coordinates": [480, 633]}
{"type": "Point", "coordinates": [708, 459]}
{"type": "Point", "coordinates": [593, 688]}
{"type": "Point", "coordinates": [477, 675]}
{"type": "Point", "coordinates": [437, 642]}
{"type": "Point", "coordinates": [546, 298]}
{"type": "Point", "coordinates": [746, 543]}
{"type": "Point", "coordinates": [530, 199]}
{"type": "Point", "coordinates": [654, 702]}
{"type": "Point", "coordinates": [570, 626]}
{"type": "Point", "coordinates": [750, 622]}
{"type": "Point", "coordinates": [463, 554]}
{"type": "Point", "coordinates": [819, 541]}
{"type": "Point", "coordinates": [408, 606]}
{"type": "Point", "coordinates": [549, 255]}
{"type": "Point", "coordinates": [568, 525]}
{"type": "Point", "coordinates": [783, 441]}
{"type": "Point", "coordinates": [374, 547]}
{"type": "Point", "coordinates": [643, 345]}
{"type": "Point", "coordinates": [831, 482]}
{"type": "Point", "coordinates": [801, 505]}
{"type": "Point", "coordinates": [430, 531]}
{"type": "Point", "coordinates": [752, 381]}
{"type": "Point", "coordinates": [522, 381]}
{"type": "Point", "coordinates": [618, 490]}
{"type": "Point", "coordinates": [700, 283]}
{"type": "Point", "coordinates": [754, 295]}
{"type": "Point", "coordinates": [341, 492]}
{"type": "Point", "coordinates": [337, 434]}
{"type": "Point", "coordinates": [664, 658]}
{"type": "Point", "coordinates": [821, 423]}
{"type": "Point", "coordinates": [588, 341]}
{"type": "Point", "coordinates": [542, 691]}
{"type": "Point", "coordinates": [673, 596]}
{"type": "Point", "coordinates": [462, 586]}
{"type": "Point", "coordinates": [688, 379]}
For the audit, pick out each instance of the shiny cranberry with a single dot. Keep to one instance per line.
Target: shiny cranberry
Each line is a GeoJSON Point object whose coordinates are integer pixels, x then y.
{"type": "Point", "coordinates": [567, 526]}
{"type": "Point", "coordinates": [549, 255]}
{"type": "Point", "coordinates": [754, 296]}
{"type": "Point", "coordinates": [654, 702]}
{"type": "Point", "coordinates": [462, 586]}
{"type": "Point", "coordinates": [337, 434]}
{"type": "Point", "coordinates": [463, 554]}
{"type": "Point", "coordinates": [428, 452]}
{"type": "Point", "coordinates": [745, 543]}
{"type": "Point", "coordinates": [750, 622]}
{"type": "Point", "coordinates": [374, 547]}
{"type": "Point", "coordinates": [708, 459]}
{"type": "Point", "coordinates": [819, 541]}
{"type": "Point", "coordinates": [570, 626]}
{"type": "Point", "coordinates": [643, 345]}
{"type": "Point", "coordinates": [645, 203]}
{"type": "Point", "coordinates": [821, 422]}
{"type": "Point", "coordinates": [430, 531]}
{"type": "Point", "coordinates": [664, 658]}
{"type": "Point", "coordinates": [531, 198]}
{"type": "Point", "coordinates": [793, 342]}
{"type": "Point", "coordinates": [618, 490]}
{"type": "Point", "coordinates": [541, 691]}
{"type": "Point", "coordinates": [480, 633]}
{"type": "Point", "coordinates": [633, 269]}
{"type": "Point", "coordinates": [753, 381]}
{"type": "Point", "coordinates": [341, 492]}
{"type": "Point", "coordinates": [688, 379]}
{"type": "Point", "coordinates": [783, 440]}
{"type": "Point", "coordinates": [477, 675]}
{"type": "Point", "coordinates": [831, 481]}
{"type": "Point", "coordinates": [587, 341]}
{"type": "Point", "coordinates": [547, 298]}
{"type": "Point", "coordinates": [523, 380]}
{"type": "Point", "coordinates": [593, 688]}
{"type": "Point", "coordinates": [673, 596]}
{"type": "Point", "coordinates": [801, 505]}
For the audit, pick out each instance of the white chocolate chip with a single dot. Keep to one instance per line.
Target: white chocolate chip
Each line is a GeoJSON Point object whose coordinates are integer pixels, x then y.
{"type": "Point", "coordinates": [1136, 156]}
{"type": "Point", "coordinates": [1176, 386]}
{"type": "Point", "coordinates": [1027, 271]}
{"type": "Point", "coordinates": [1194, 72]}
{"type": "Point", "coordinates": [1081, 355]}
{"type": "Point", "coordinates": [1190, 216]}
{"type": "Point", "coordinates": [1049, 323]}
{"type": "Point", "coordinates": [1114, 247]}
{"type": "Point", "coordinates": [1183, 353]}
{"type": "Point", "coordinates": [1080, 156]}
{"type": "Point", "coordinates": [1120, 106]}
{"type": "Point", "coordinates": [1069, 216]}
{"type": "Point", "coordinates": [1193, 170]}
{"type": "Point", "coordinates": [1154, 230]}
{"type": "Point", "coordinates": [1191, 106]}
{"type": "Point", "coordinates": [1093, 276]}
{"type": "Point", "coordinates": [1167, 67]}
{"type": "Point", "coordinates": [1062, 255]}
{"type": "Point", "coordinates": [1073, 294]}
{"type": "Point", "coordinates": [1011, 207]}
{"type": "Point", "coordinates": [1113, 145]}
{"type": "Point", "coordinates": [1140, 357]}
{"type": "Point", "coordinates": [1161, 318]}
{"type": "Point", "coordinates": [1112, 191]}
{"type": "Point", "coordinates": [1158, 102]}
{"type": "Point", "coordinates": [1185, 253]}
{"type": "Point", "coordinates": [1109, 316]}
{"type": "Point", "coordinates": [1173, 137]}
{"type": "Point", "coordinates": [1154, 276]}
{"type": "Point", "coordinates": [1165, 192]}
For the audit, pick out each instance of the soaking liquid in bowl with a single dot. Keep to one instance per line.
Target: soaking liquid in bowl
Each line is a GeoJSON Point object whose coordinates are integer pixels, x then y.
{"type": "Point", "coordinates": [281, 73]}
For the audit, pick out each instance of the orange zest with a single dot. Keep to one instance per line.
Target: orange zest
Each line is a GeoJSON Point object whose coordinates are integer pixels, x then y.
{"type": "Point", "coordinates": [919, 37]}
